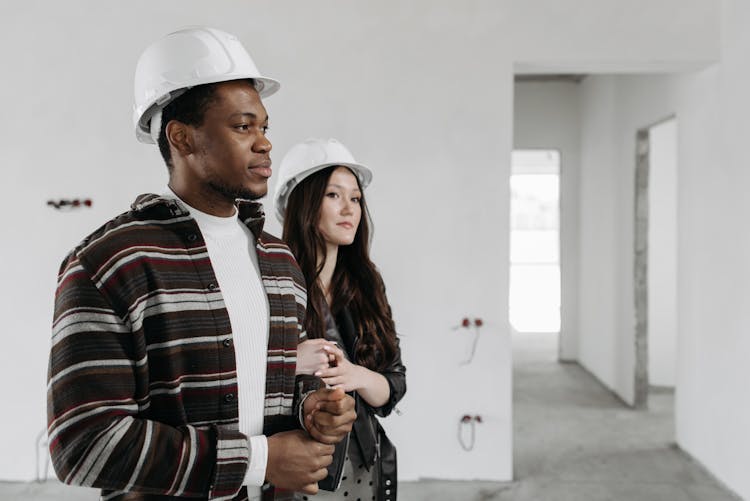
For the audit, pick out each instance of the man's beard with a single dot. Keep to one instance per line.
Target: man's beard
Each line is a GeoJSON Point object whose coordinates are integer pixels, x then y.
{"type": "Point", "coordinates": [234, 192]}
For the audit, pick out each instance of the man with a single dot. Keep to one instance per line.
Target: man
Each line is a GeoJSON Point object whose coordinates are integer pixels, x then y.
{"type": "Point", "coordinates": [172, 367]}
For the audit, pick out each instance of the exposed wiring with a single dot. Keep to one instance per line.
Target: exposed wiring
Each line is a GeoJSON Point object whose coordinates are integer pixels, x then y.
{"type": "Point", "coordinates": [477, 325]}
{"type": "Point", "coordinates": [463, 325]}
{"type": "Point", "coordinates": [470, 422]}
{"type": "Point", "coordinates": [66, 204]}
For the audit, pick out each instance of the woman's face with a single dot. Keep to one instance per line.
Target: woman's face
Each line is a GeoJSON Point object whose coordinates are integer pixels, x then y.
{"type": "Point", "coordinates": [340, 211]}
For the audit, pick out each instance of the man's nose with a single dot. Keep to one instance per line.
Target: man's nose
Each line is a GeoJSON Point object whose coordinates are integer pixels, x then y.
{"type": "Point", "coordinates": [262, 144]}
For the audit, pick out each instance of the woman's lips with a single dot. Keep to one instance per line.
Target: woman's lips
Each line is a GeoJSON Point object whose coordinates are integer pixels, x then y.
{"type": "Point", "coordinates": [346, 225]}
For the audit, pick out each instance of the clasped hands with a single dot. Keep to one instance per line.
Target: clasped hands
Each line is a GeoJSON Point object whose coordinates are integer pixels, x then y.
{"type": "Point", "coordinates": [326, 360]}
{"type": "Point", "coordinates": [298, 460]}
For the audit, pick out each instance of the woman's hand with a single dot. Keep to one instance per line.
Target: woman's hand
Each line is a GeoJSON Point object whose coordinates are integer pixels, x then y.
{"type": "Point", "coordinates": [370, 385]}
{"type": "Point", "coordinates": [342, 374]}
{"type": "Point", "coordinates": [312, 356]}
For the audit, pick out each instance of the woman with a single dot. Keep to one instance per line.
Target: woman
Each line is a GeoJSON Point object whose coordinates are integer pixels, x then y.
{"type": "Point", "coordinates": [352, 343]}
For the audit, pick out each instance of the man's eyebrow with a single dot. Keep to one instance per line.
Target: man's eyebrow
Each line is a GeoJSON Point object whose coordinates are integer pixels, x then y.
{"type": "Point", "coordinates": [247, 114]}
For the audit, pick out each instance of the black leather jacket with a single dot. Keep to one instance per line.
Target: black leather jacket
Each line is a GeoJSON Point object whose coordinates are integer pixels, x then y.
{"type": "Point", "coordinates": [373, 443]}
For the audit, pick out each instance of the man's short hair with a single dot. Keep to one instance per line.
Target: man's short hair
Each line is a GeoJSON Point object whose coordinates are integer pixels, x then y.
{"type": "Point", "coordinates": [190, 109]}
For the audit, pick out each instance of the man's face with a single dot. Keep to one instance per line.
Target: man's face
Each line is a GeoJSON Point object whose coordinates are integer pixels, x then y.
{"type": "Point", "coordinates": [231, 149]}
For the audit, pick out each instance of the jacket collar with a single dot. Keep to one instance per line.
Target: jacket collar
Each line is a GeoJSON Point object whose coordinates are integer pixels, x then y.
{"type": "Point", "coordinates": [250, 212]}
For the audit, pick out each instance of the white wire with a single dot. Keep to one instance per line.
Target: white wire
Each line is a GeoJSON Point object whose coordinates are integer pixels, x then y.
{"type": "Point", "coordinates": [41, 441]}
{"type": "Point", "coordinates": [472, 425]}
{"type": "Point", "coordinates": [473, 346]}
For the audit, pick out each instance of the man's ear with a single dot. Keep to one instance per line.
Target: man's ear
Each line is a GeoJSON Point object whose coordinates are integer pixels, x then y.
{"type": "Point", "coordinates": [180, 137]}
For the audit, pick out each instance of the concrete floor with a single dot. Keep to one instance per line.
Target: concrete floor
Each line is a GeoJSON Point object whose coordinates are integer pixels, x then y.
{"type": "Point", "coordinates": [574, 441]}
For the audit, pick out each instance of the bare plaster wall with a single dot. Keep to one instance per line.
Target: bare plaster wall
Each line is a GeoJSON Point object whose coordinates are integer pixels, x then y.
{"type": "Point", "coordinates": [712, 403]}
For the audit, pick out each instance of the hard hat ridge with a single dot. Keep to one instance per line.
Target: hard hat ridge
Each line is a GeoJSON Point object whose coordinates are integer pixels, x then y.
{"type": "Point", "coordinates": [183, 59]}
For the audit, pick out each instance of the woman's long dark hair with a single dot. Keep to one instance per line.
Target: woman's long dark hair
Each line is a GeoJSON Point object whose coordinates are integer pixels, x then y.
{"type": "Point", "coordinates": [356, 283]}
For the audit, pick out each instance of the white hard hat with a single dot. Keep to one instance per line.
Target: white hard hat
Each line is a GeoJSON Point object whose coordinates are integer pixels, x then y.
{"type": "Point", "coordinates": [307, 158]}
{"type": "Point", "coordinates": [181, 60]}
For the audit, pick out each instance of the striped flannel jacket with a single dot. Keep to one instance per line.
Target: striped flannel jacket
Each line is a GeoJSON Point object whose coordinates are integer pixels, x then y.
{"type": "Point", "coordinates": [142, 382]}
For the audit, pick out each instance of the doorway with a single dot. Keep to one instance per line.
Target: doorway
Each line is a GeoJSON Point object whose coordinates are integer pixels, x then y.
{"type": "Point", "coordinates": [534, 296]}
{"type": "Point", "coordinates": [655, 264]}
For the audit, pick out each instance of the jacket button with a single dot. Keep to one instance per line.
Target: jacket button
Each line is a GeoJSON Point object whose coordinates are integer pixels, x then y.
{"type": "Point", "coordinates": [211, 286]}
{"type": "Point", "coordinates": [228, 397]}
{"type": "Point", "coordinates": [387, 492]}
{"type": "Point", "coordinates": [192, 237]}
{"type": "Point", "coordinates": [387, 482]}
{"type": "Point", "coordinates": [227, 342]}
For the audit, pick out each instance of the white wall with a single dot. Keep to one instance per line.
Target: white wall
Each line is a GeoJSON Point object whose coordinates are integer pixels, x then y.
{"type": "Point", "coordinates": [546, 115]}
{"type": "Point", "coordinates": [615, 108]}
{"type": "Point", "coordinates": [612, 36]}
{"type": "Point", "coordinates": [662, 253]}
{"type": "Point", "coordinates": [599, 233]}
{"type": "Point", "coordinates": [373, 75]}
{"type": "Point", "coordinates": [712, 405]}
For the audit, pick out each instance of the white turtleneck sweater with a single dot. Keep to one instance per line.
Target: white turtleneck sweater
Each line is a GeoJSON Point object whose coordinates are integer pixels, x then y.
{"type": "Point", "coordinates": [231, 249]}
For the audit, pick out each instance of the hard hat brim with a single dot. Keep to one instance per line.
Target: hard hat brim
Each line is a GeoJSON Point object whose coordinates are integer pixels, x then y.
{"type": "Point", "coordinates": [263, 85]}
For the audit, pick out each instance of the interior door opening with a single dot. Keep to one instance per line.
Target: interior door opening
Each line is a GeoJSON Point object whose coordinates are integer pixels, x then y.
{"type": "Point", "coordinates": [655, 263]}
{"type": "Point", "coordinates": [534, 296]}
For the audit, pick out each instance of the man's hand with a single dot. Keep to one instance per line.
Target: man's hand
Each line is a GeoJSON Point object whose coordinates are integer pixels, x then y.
{"type": "Point", "coordinates": [329, 415]}
{"type": "Point", "coordinates": [296, 462]}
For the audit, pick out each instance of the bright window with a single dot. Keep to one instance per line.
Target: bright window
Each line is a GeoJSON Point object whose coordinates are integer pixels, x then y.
{"type": "Point", "coordinates": [535, 241]}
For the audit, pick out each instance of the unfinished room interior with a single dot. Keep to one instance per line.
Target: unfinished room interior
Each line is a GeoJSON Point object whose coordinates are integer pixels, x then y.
{"type": "Point", "coordinates": [559, 206]}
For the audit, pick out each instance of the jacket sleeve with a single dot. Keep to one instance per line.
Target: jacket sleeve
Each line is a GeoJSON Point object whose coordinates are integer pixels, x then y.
{"type": "Point", "coordinates": [304, 384]}
{"type": "Point", "coordinates": [97, 394]}
{"type": "Point", "coordinates": [395, 374]}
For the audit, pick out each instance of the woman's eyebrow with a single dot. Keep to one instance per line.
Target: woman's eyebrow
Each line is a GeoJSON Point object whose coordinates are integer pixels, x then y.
{"type": "Point", "coordinates": [334, 185]}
